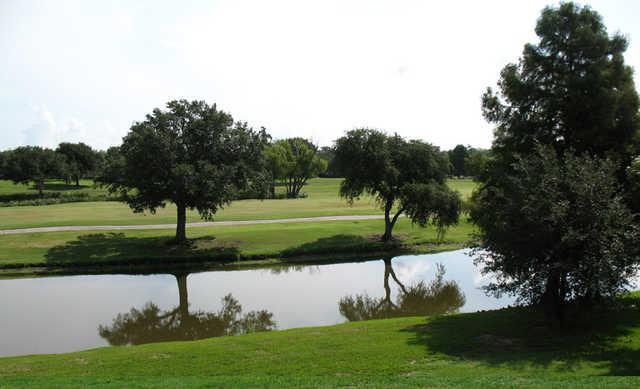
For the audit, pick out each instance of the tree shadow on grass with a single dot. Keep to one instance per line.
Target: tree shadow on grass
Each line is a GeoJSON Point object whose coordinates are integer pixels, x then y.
{"type": "Point", "coordinates": [118, 249]}
{"type": "Point", "coordinates": [521, 337]}
{"type": "Point", "coordinates": [341, 243]}
{"type": "Point", "coordinates": [59, 187]}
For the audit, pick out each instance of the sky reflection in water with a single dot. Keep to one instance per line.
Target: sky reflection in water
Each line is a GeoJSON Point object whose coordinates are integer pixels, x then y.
{"type": "Point", "coordinates": [61, 314]}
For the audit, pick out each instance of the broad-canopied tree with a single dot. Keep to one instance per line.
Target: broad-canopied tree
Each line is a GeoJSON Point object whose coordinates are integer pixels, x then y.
{"type": "Point", "coordinates": [80, 160]}
{"type": "Point", "coordinates": [557, 230]}
{"type": "Point", "coordinates": [191, 154]}
{"type": "Point", "coordinates": [403, 176]}
{"type": "Point", "coordinates": [294, 161]}
{"type": "Point", "coordinates": [32, 164]}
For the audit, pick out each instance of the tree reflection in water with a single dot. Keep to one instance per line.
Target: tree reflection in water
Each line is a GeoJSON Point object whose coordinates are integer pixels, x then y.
{"type": "Point", "coordinates": [150, 324]}
{"type": "Point", "coordinates": [433, 298]}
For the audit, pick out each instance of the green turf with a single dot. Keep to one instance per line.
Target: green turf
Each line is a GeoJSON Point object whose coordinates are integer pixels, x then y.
{"type": "Point", "coordinates": [507, 348]}
{"type": "Point", "coordinates": [220, 243]}
{"type": "Point", "coordinates": [322, 200]}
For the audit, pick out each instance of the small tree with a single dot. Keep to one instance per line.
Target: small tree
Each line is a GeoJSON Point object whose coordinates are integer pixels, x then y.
{"type": "Point", "coordinates": [191, 154]}
{"type": "Point", "coordinates": [557, 230]}
{"type": "Point", "coordinates": [408, 175]}
{"type": "Point", "coordinates": [476, 162]}
{"type": "Point", "coordinates": [458, 157]}
{"type": "Point", "coordinates": [81, 160]}
{"type": "Point", "coordinates": [30, 164]}
{"type": "Point", "coordinates": [294, 161]}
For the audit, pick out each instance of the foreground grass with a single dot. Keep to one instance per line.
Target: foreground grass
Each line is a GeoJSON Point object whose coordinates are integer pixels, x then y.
{"type": "Point", "coordinates": [509, 347]}
{"type": "Point", "coordinates": [322, 200]}
{"type": "Point", "coordinates": [222, 243]}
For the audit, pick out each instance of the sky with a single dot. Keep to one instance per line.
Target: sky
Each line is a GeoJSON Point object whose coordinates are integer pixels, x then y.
{"type": "Point", "coordinates": [84, 71]}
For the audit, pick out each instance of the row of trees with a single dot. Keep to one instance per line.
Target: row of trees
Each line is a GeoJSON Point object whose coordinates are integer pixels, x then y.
{"type": "Point", "coordinates": [198, 157]}
{"type": "Point", "coordinates": [32, 164]}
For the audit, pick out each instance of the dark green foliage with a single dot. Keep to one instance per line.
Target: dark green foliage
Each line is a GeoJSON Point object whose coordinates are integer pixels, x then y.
{"type": "Point", "coordinates": [328, 153]}
{"type": "Point", "coordinates": [457, 157]}
{"type": "Point", "coordinates": [49, 198]}
{"type": "Point", "coordinates": [572, 90]}
{"type": "Point", "coordinates": [407, 174]}
{"type": "Point", "coordinates": [476, 162]}
{"type": "Point", "coordinates": [554, 224]}
{"type": "Point", "coordinates": [3, 164]}
{"type": "Point", "coordinates": [81, 160]}
{"type": "Point", "coordinates": [191, 154]}
{"type": "Point", "coordinates": [32, 164]}
{"type": "Point", "coordinates": [633, 179]}
{"type": "Point", "coordinates": [293, 161]}
{"type": "Point", "coordinates": [557, 229]}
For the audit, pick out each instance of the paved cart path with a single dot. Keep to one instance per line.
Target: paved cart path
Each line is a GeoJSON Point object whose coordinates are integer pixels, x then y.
{"type": "Point", "coordinates": [189, 225]}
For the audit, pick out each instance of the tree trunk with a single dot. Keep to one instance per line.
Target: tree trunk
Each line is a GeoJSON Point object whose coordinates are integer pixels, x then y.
{"type": "Point", "coordinates": [77, 181]}
{"type": "Point", "coordinates": [40, 186]}
{"type": "Point", "coordinates": [388, 224]}
{"type": "Point", "coordinates": [181, 233]}
{"type": "Point", "coordinates": [552, 298]}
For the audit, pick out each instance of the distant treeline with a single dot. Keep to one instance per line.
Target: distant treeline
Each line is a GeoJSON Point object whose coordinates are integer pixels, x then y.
{"type": "Point", "coordinates": [290, 163]}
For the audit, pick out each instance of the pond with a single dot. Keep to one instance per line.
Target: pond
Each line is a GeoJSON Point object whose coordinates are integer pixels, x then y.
{"type": "Point", "coordinates": [70, 313]}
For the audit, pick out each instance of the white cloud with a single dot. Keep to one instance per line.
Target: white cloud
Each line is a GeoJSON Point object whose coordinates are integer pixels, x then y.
{"type": "Point", "coordinates": [312, 69]}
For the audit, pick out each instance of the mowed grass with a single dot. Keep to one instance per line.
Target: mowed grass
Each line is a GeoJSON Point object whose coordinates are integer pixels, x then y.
{"type": "Point", "coordinates": [322, 200]}
{"type": "Point", "coordinates": [512, 347]}
{"type": "Point", "coordinates": [221, 243]}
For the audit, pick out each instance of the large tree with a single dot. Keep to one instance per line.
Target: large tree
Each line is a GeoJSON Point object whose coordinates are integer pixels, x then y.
{"type": "Point", "coordinates": [557, 230]}
{"type": "Point", "coordinates": [549, 206]}
{"type": "Point", "coordinates": [294, 161]}
{"type": "Point", "coordinates": [80, 160]}
{"type": "Point", "coordinates": [191, 154]}
{"type": "Point", "coordinates": [31, 164]}
{"type": "Point", "coordinates": [571, 90]}
{"type": "Point", "coordinates": [403, 176]}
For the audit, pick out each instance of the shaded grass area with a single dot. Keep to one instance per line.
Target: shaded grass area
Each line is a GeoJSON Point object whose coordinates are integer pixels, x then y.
{"type": "Point", "coordinates": [322, 200]}
{"type": "Point", "coordinates": [222, 244]}
{"type": "Point", "coordinates": [508, 347]}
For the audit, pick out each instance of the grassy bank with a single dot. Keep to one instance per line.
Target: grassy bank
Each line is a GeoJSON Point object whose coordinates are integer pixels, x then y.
{"type": "Point", "coordinates": [510, 347]}
{"type": "Point", "coordinates": [224, 243]}
{"type": "Point", "coordinates": [322, 200]}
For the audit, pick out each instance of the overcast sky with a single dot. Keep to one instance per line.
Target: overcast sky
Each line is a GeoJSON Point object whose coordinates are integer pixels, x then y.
{"type": "Point", "coordinates": [84, 71]}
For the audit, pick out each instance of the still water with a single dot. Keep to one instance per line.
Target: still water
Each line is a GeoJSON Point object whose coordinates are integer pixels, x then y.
{"type": "Point", "coordinates": [62, 314]}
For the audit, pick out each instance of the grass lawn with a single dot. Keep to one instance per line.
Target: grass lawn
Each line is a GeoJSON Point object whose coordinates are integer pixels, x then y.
{"type": "Point", "coordinates": [322, 200]}
{"type": "Point", "coordinates": [509, 347]}
{"type": "Point", "coordinates": [151, 247]}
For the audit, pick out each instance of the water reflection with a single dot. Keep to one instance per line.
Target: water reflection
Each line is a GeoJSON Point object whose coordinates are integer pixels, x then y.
{"type": "Point", "coordinates": [150, 324]}
{"type": "Point", "coordinates": [436, 297]}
